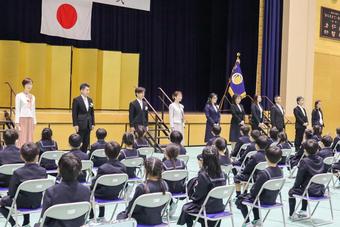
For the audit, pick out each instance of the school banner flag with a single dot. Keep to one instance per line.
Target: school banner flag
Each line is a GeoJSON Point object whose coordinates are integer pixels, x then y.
{"type": "Point", "coordinates": [236, 82]}
{"type": "Point", "coordinates": [67, 18]}
{"type": "Point", "coordinates": [134, 4]}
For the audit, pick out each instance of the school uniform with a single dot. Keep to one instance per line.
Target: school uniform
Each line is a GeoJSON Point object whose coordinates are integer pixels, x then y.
{"type": "Point", "coordinates": [277, 117]}
{"type": "Point", "coordinates": [198, 189]}
{"type": "Point", "coordinates": [317, 138]}
{"type": "Point", "coordinates": [182, 150]}
{"type": "Point", "coordinates": [82, 156]}
{"type": "Point", "coordinates": [284, 145]}
{"type": "Point", "coordinates": [29, 171]}
{"type": "Point", "coordinates": [256, 116]}
{"type": "Point", "coordinates": [140, 142]}
{"type": "Point", "coordinates": [47, 145]}
{"type": "Point", "coordinates": [9, 155]}
{"type": "Point", "coordinates": [294, 160]}
{"type": "Point", "coordinates": [335, 141]}
{"type": "Point", "coordinates": [138, 113]}
{"type": "Point", "coordinates": [300, 119]}
{"type": "Point", "coordinates": [241, 141]}
{"type": "Point", "coordinates": [174, 186]}
{"type": "Point", "coordinates": [212, 140]}
{"type": "Point", "coordinates": [98, 161]}
{"type": "Point", "coordinates": [325, 153]}
{"type": "Point", "coordinates": [317, 118]}
{"type": "Point", "coordinates": [243, 154]}
{"type": "Point", "coordinates": [129, 154]}
{"type": "Point", "coordinates": [267, 197]}
{"type": "Point", "coordinates": [224, 160]}
{"type": "Point", "coordinates": [238, 115]}
{"type": "Point", "coordinates": [213, 116]}
{"type": "Point", "coordinates": [65, 192]}
{"type": "Point", "coordinates": [144, 215]}
{"type": "Point", "coordinates": [250, 166]}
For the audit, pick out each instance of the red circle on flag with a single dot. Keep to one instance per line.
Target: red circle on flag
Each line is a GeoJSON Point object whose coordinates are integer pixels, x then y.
{"type": "Point", "coordinates": [66, 16]}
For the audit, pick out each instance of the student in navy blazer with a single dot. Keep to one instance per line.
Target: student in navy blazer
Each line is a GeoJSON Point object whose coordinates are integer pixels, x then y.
{"type": "Point", "coordinates": [212, 114]}
{"type": "Point", "coordinates": [317, 115]}
{"type": "Point", "coordinates": [257, 113]}
{"type": "Point", "coordinates": [237, 119]}
{"type": "Point", "coordinates": [301, 121]}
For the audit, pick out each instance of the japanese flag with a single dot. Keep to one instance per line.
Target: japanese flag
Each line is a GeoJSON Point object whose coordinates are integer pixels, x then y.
{"type": "Point", "coordinates": [67, 18]}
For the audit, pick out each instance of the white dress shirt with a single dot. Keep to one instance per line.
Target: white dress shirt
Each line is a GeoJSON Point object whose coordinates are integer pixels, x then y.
{"type": "Point", "coordinates": [261, 110]}
{"type": "Point", "coordinates": [280, 107]}
{"type": "Point", "coordinates": [303, 111]}
{"type": "Point", "coordinates": [239, 107]}
{"type": "Point", "coordinates": [24, 106]}
{"type": "Point", "coordinates": [320, 115]}
{"type": "Point", "coordinates": [140, 103]}
{"type": "Point", "coordinates": [215, 108]}
{"type": "Point", "coordinates": [86, 101]}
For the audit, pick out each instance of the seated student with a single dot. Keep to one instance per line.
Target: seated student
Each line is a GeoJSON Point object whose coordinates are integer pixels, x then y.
{"type": "Point", "coordinates": [260, 144]}
{"type": "Point", "coordinates": [283, 144]}
{"type": "Point", "coordinates": [317, 131]}
{"type": "Point", "coordinates": [215, 131]}
{"type": "Point", "coordinates": [29, 152]}
{"type": "Point", "coordinates": [309, 166]}
{"type": "Point", "coordinates": [140, 140]}
{"type": "Point", "coordinates": [47, 144]}
{"type": "Point", "coordinates": [244, 139]}
{"type": "Point", "coordinates": [9, 155]}
{"type": "Point", "coordinates": [273, 136]}
{"type": "Point", "coordinates": [326, 150]}
{"type": "Point", "coordinates": [223, 153]}
{"type": "Point", "coordinates": [267, 197]}
{"type": "Point", "coordinates": [336, 140]}
{"type": "Point", "coordinates": [112, 166]}
{"type": "Point", "coordinates": [176, 137]}
{"type": "Point", "coordinates": [129, 152]}
{"type": "Point", "coordinates": [209, 177]}
{"type": "Point", "coordinates": [153, 184]}
{"type": "Point", "coordinates": [100, 144]}
{"type": "Point", "coordinates": [294, 160]}
{"type": "Point", "coordinates": [69, 190]}
{"type": "Point", "coordinates": [75, 143]}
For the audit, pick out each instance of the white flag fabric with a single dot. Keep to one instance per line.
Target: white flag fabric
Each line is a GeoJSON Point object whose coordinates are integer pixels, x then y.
{"type": "Point", "coordinates": [134, 4]}
{"type": "Point", "coordinates": [67, 18]}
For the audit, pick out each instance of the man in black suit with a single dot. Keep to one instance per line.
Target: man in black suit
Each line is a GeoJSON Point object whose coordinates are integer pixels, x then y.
{"type": "Point", "coordinates": [301, 121]}
{"type": "Point", "coordinates": [83, 115]}
{"type": "Point", "coordinates": [138, 110]}
{"type": "Point", "coordinates": [277, 116]}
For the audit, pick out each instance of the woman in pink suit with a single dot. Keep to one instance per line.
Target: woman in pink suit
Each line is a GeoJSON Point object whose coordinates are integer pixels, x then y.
{"type": "Point", "coordinates": [25, 119]}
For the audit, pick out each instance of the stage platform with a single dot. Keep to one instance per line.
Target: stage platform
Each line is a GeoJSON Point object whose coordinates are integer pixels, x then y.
{"type": "Point", "coordinates": [116, 123]}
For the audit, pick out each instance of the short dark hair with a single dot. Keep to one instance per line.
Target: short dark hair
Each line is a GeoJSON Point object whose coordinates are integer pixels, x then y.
{"type": "Point", "coordinates": [245, 129]}
{"type": "Point", "coordinates": [282, 137]}
{"type": "Point", "coordinates": [139, 90]}
{"type": "Point", "coordinates": [311, 146]}
{"type": "Point", "coordinates": [74, 140]}
{"type": "Point", "coordinates": [262, 142]}
{"type": "Point", "coordinates": [83, 86]}
{"type": "Point", "coordinates": [69, 167]}
{"type": "Point", "coordinates": [128, 138]}
{"type": "Point", "coordinates": [308, 134]}
{"type": "Point", "coordinates": [140, 131]}
{"type": "Point", "coordinates": [25, 81]}
{"type": "Point", "coordinates": [176, 137]}
{"type": "Point", "coordinates": [172, 151]}
{"type": "Point", "coordinates": [299, 98]}
{"type": "Point", "coordinates": [255, 134]}
{"type": "Point", "coordinates": [46, 134]}
{"type": "Point", "coordinates": [327, 140]}
{"type": "Point", "coordinates": [112, 149]}
{"type": "Point", "coordinates": [29, 151]}
{"type": "Point", "coordinates": [235, 97]}
{"type": "Point", "coordinates": [316, 103]}
{"type": "Point", "coordinates": [338, 131]}
{"type": "Point", "coordinates": [220, 143]}
{"type": "Point", "coordinates": [273, 133]}
{"type": "Point", "coordinates": [216, 129]}
{"type": "Point", "coordinates": [274, 154]}
{"type": "Point", "coordinates": [101, 133]}
{"type": "Point", "coordinates": [10, 136]}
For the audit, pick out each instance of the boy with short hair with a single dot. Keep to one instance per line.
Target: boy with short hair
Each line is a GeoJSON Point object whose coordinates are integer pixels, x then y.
{"type": "Point", "coordinates": [101, 134]}
{"type": "Point", "coordinates": [326, 149]}
{"type": "Point", "coordinates": [216, 131]}
{"type": "Point", "coordinates": [75, 144]}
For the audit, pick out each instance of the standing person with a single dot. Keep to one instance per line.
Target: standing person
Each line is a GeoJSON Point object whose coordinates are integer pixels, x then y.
{"type": "Point", "coordinates": [176, 113]}
{"type": "Point", "coordinates": [257, 113]}
{"type": "Point", "coordinates": [237, 119]}
{"type": "Point", "coordinates": [301, 121]}
{"type": "Point", "coordinates": [277, 115]}
{"type": "Point", "coordinates": [212, 113]}
{"type": "Point", "coordinates": [317, 115]}
{"type": "Point", "coordinates": [25, 118]}
{"type": "Point", "coordinates": [83, 115]}
{"type": "Point", "coordinates": [138, 110]}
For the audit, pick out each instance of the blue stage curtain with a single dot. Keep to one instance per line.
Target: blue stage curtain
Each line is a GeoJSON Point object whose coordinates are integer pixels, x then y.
{"type": "Point", "coordinates": [271, 49]}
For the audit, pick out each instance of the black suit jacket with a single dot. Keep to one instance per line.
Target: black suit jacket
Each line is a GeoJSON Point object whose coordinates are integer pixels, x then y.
{"type": "Point", "coordinates": [138, 116]}
{"type": "Point", "coordinates": [65, 192]}
{"type": "Point", "coordinates": [9, 155]}
{"type": "Point", "coordinates": [256, 117]}
{"type": "Point", "coordinates": [300, 118]}
{"type": "Point", "coordinates": [237, 115]}
{"type": "Point", "coordinates": [316, 117]}
{"type": "Point", "coordinates": [277, 118]}
{"type": "Point", "coordinates": [80, 116]}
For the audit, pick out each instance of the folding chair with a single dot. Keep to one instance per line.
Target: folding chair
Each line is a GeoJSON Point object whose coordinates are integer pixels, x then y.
{"type": "Point", "coordinates": [292, 170]}
{"type": "Point", "coordinates": [153, 200]}
{"type": "Point", "coordinates": [184, 158]}
{"type": "Point", "coordinates": [134, 163]}
{"type": "Point", "coordinates": [176, 175]}
{"type": "Point", "coordinates": [243, 147]}
{"type": "Point", "coordinates": [221, 192]}
{"type": "Point", "coordinates": [260, 166]}
{"type": "Point", "coordinates": [116, 223]}
{"type": "Point", "coordinates": [286, 153]}
{"type": "Point", "coordinates": [33, 186]}
{"type": "Point", "coordinates": [239, 168]}
{"type": "Point", "coordinates": [51, 155]}
{"type": "Point", "coordinates": [227, 170]}
{"type": "Point", "coordinates": [67, 211]}
{"type": "Point", "coordinates": [109, 180]}
{"type": "Point", "coordinates": [8, 169]}
{"type": "Point", "coordinates": [335, 150]}
{"type": "Point", "coordinates": [324, 179]}
{"type": "Point", "coordinates": [272, 185]}
{"type": "Point", "coordinates": [146, 151]}
{"type": "Point", "coordinates": [87, 166]}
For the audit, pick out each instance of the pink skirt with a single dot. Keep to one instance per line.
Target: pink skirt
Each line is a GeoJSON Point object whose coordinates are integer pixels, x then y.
{"type": "Point", "coordinates": [26, 130]}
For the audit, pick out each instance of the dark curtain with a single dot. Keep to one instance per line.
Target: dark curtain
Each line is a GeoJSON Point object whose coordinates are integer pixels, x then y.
{"type": "Point", "coordinates": [187, 45]}
{"type": "Point", "coordinates": [271, 55]}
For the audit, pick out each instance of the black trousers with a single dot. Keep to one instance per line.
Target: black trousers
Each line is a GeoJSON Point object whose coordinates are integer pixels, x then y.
{"type": "Point", "coordinates": [4, 211]}
{"type": "Point", "coordinates": [299, 132]}
{"type": "Point", "coordinates": [85, 137]}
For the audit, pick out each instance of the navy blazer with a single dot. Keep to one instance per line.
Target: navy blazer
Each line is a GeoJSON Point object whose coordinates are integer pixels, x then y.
{"type": "Point", "coordinates": [65, 192]}
{"type": "Point", "coordinates": [253, 161]}
{"type": "Point", "coordinates": [9, 155]}
{"type": "Point", "coordinates": [213, 116]}
{"type": "Point", "coordinates": [138, 116]}
{"type": "Point", "coordinates": [300, 118]}
{"type": "Point", "coordinates": [237, 114]}
{"type": "Point", "coordinates": [241, 140]}
{"type": "Point", "coordinates": [82, 156]}
{"type": "Point", "coordinates": [256, 117]}
{"type": "Point", "coordinates": [335, 141]}
{"type": "Point", "coordinates": [129, 154]}
{"type": "Point", "coordinates": [316, 117]}
{"type": "Point", "coordinates": [47, 145]}
{"type": "Point", "coordinates": [98, 161]}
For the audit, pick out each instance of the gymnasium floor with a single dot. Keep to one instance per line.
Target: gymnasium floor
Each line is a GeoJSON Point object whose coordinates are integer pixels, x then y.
{"type": "Point", "coordinates": [274, 218]}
